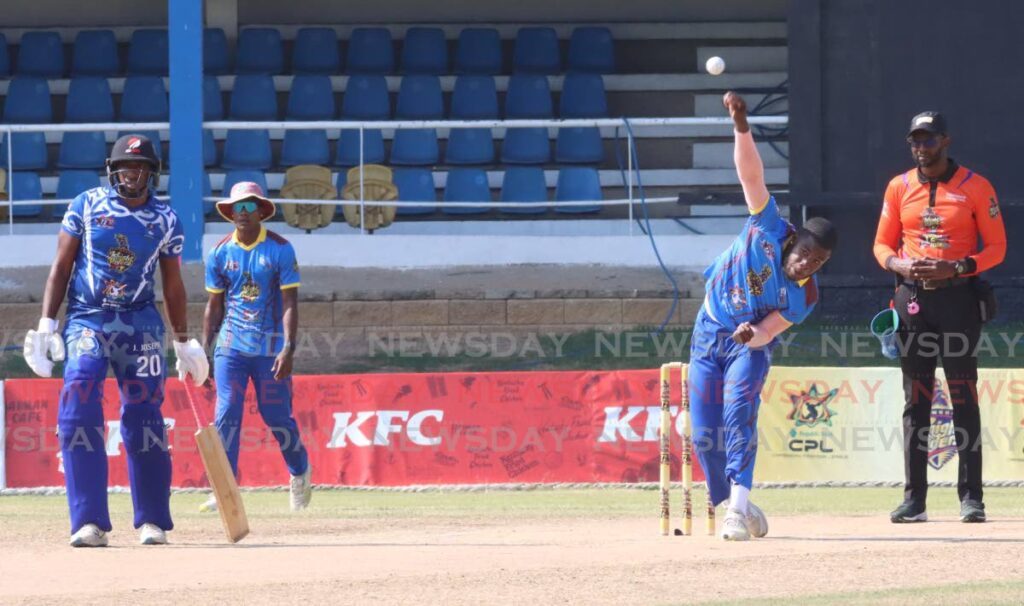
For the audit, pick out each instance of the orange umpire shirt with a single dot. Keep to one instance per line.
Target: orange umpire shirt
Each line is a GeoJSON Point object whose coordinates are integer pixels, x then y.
{"type": "Point", "coordinates": [942, 219]}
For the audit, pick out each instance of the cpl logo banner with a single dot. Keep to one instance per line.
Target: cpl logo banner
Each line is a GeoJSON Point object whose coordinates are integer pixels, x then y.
{"type": "Point", "coordinates": [811, 409]}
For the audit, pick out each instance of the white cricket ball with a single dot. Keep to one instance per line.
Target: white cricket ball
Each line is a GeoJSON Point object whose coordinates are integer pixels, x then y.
{"type": "Point", "coordinates": [715, 66]}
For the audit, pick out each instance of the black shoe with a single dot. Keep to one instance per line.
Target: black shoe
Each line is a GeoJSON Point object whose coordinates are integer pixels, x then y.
{"type": "Point", "coordinates": [972, 512]}
{"type": "Point", "coordinates": [909, 512]}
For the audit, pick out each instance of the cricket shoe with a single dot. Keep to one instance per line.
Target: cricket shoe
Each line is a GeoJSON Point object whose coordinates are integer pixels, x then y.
{"type": "Point", "coordinates": [735, 526]}
{"type": "Point", "coordinates": [301, 490]}
{"type": "Point", "coordinates": [757, 522]}
{"type": "Point", "coordinates": [89, 535]}
{"type": "Point", "coordinates": [151, 534]}
{"type": "Point", "coordinates": [209, 505]}
{"type": "Point", "coordinates": [909, 512]}
{"type": "Point", "coordinates": [972, 512]}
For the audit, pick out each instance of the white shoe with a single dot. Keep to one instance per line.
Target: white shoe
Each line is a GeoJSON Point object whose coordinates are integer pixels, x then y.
{"type": "Point", "coordinates": [209, 505]}
{"type": "Point", "coordinates": [151, 534]}
{"type": "Point", "coordinates": [89, 535]}
{"type": "Point", "coordinates": [735, 526]}
{"type": "Point", "coordinates": [301, 490]}
{"type": "Point", "coordinates": [757, 522]}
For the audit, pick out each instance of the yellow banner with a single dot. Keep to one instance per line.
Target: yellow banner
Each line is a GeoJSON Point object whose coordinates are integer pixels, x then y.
{"type": "Point", "coordinates": [845, 424]}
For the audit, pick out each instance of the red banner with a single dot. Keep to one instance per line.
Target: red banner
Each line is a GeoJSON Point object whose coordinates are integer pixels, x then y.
{"type": "Point", "coordinates": [395, 429]}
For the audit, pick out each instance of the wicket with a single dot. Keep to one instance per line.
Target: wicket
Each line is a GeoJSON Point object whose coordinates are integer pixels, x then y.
{"type": "Point", "coordinates": [687, 452]}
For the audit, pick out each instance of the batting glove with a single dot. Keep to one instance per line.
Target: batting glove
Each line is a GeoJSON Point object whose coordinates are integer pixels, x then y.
{"type": "Point", "coordinates": [43, 347]}
{"type": "Point", "coordinates": [192, 361]}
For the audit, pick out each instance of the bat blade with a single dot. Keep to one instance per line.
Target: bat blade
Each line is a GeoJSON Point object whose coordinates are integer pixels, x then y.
{"type": "Point", "coordinates": [222, 481]}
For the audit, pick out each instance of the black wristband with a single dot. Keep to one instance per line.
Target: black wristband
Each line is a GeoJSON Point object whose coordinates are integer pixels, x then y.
{"type": "Point", "coordinates": [971, 264]}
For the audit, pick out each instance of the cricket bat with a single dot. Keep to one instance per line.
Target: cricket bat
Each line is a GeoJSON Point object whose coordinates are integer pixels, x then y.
{"type": "Point", "coordinates": [219, 474]}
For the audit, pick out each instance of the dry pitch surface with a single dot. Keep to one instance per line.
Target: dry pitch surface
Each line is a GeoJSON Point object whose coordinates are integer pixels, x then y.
{"type": "Point", "coordinates": [537, 547]}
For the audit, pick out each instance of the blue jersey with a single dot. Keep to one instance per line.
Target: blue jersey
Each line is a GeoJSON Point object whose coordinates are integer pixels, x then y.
{"type": "Point", "coordinates": [252, 278]}
{"type": "Point", "coordinates": [119, 250]}
{"type": "Point", "coordinates": [746, 283]}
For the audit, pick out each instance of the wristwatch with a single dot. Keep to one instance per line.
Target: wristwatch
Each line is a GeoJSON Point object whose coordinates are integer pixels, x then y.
{"type": "Point", "coordinates": [959, 267]}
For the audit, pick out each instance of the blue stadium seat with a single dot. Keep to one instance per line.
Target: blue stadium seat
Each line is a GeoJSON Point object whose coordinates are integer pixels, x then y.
{"type": "Point", "coordinates": [153, 136]}
{"type": "Point", "coordinates": [425, 51]}
{"type": "Point", "coordinates": [419, 98]}
{"type": "Point", "coordinates": [415, 185]}
{"type": "Point", "coordinates": [259, 51]}
{"type": "Point", "coordinates": [237, 176]}
{"type": "Point", "coordinates": [89, 100]}
{"type": "Point", "coordinates": [310, 98]}
{"type": "Point", "coordinates": [73, 182]}
{"type": "Point", "coordinates": [316, 51]}
{"type": "Point", "coordinates": [5, 58]}
{"type": "Point", "coordinates": [27, 102]}
{"type": "Point", "coordinates": [366, 98]}
{"type": "Point", "coordinates": [40, 54]}
{"type": "Point", "coordinates": [478, 51]}
{"type": "Point", "coordinates": [27, 186]}
{"type": "Point", "coordinates": [591, 49]}
{"type": "Point", "coordinates": [466, 185]}
{"type": "Point", "coordinates": [528, 97]}
{"type": "Point", "coordinates": [82, 150]}
{"type": "Point", "coordinates": [474, 98]}
{"type": "Point", "coordinates": [144, 100]}
{"type": "Point", "coordinates": [148, 53]}
{"type": "Point", "coordinates": [213, 100]}
{"type": "Point", "coordinates": [578, 183]}
{"type": "Point", "coordinates": [247, 149]}
{"type": "Point", "coordinates": [370, 51]}
{"type": "Point", "coordinates": [583, 96]}
{"type": "Point", "coordinates": [215, 52]}
{"type": "Point", "coordinates": [95, 54]}
{"type": "Point", "coordinates": [536, 51]}
{"type": "Point", "coordinates": [253, 98]}
{"type": "Point", "coordinates": [524, 184]}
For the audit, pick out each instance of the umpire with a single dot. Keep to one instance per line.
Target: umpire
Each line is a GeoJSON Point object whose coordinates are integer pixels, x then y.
{"type": "Point", "coordinates": [940, 228]}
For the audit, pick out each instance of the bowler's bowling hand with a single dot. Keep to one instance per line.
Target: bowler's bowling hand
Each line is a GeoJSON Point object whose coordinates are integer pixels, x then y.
{"type": "Point", "coordinates": [743, 333]}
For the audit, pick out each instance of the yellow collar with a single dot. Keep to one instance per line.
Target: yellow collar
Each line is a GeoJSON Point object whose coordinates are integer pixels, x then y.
{"type": "Point", "coordinates": [260, 238]}
{"type": "Point", "coordinates": [802, 282]}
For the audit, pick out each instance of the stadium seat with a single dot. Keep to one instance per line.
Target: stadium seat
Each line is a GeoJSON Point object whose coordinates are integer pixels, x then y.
{"type": "Point", "coordinates": [366, 98]}
{"type": "Point", "coordinates": [259, 51]}
{"type": "Point", "coordinates": [310, 98]}
{"type": "Point", "coordinates": [27, 102]}
{"type": "Point", "coordinates": [308, 182]}
{"type": "Point", "coordinates": [5, 58]}
{"type": "Point", "coordinates": [536, 51]}
{"type": "Point", "coordinates": [27, 186]}
{"type": "Point", "coordinates": [94, 53]}
{"type": "Point", "coordinates": [466, 185]}
{"type": "Point", "coordinates": [247, 149]}
{"type": "Point", "coordinates": [253, 98]}
{"type": "Point", "coordinates": [89, 100]}
{"type": "Point", "coordinates": [478, 51]}
{"type": "Point", "coordinates": [237, 176]}
{"type": "Point", "coordinates": [528, 97]}
{"type": "Point", "coordinates": [591, 49]}
{"type": "Point", "coordinates": [40, 54]}
{"type": "Point", "coordinates": [583, 96]}
{"type": "Point", "coordinates": [70, 183]}
{"type": "Point", "coordinates": [370, 51]}
{"type": "Point", "coordinates": [148, 53]}
{"type": "Point", "coordinates": [371, 183]}
{"type": "Point", "coordinates": [316, 51]}
{"type": "Point", "coordinates": [215, 52]}
{"type": "Point", "coordinates": [415, 185]}
{"type": "Point", "coordinates": [524, 184]}
{"type": "Point", "coordinates": [82, 150]}
{"type": "Point", "coordinates": [144, 100]}
{"type": "Point", "coordinates": [425, 51]}
{"type": "Point", "coordinates": [419, 98]}
{"type": "Point", "coordinates": [213, 100]}
{"type": "Point", "coordinates": [474, 98]}
{"type": "Point", "coordinates": [578, 183]}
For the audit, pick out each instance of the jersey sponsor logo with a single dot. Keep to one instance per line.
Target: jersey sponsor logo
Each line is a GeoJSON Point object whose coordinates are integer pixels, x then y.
{"type": "Point", "coordinates": [956, 197]}
{"type": "Point", "coordinates": [87, 343]}
{"type": "Point", "coordinates": [756, 282]}
{"type": "Point", "coordinates": [103, 222]}
{"type": "Point", "coordinates": [263, 261]}
{"type": "Point", "coordinates": [783, 298]}
{"type": "Point", "coordinates": [250, 290]}
{"type": "Point", "coordinates": [941, 436]}
{"type": "Point", "coordinates": [249, 315]}
{"type": "Point", "coordinates": [120, 257]}
{"type": "Point", "coordinates": [769, 249]}
{"type": "Point", "coordinates": [231, 265]}
{"type": "Point", "coordinates": [738, 298]}
{"type": "Point", "coordinates": [931, 221]}
{"type": "Point", "coordinates": [993, 207]}
{"type": "Point", "coordinates": [151, 230]}
{"type": "Point", "coordinates": [114, 290]}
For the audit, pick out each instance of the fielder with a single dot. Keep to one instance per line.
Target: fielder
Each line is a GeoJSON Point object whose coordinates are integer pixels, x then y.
{"type": "Point", "coordinates": [111, 241]}
{"type": "Point", "coordinates": [763, 284]}
{"type": "Point", "coordinates": [253, 280]}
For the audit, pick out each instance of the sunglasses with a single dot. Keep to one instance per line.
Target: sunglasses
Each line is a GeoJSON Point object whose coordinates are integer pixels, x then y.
{"type": "Point", "coordinates": [928, 143]}
{"type": "Point", "coordinates": [246, 206]}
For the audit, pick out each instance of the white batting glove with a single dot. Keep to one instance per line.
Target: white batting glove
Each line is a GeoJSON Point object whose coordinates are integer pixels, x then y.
{"type": "Point", "coordinates": [192, 361]}
{"type": "Point", "coordinates": [43, 347]}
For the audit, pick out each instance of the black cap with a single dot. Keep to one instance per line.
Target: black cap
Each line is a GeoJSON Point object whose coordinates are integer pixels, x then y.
{"type": "Point", "coordinates": [134, 148]}
{"type": "Point", "coordinates": [931, 122]}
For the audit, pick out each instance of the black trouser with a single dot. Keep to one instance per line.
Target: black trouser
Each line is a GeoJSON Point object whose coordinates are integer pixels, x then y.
{"type": "Point", "coordinates": [948, 325]}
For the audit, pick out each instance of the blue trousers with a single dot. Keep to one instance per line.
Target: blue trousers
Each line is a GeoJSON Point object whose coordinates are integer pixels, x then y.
{"type": "Point", "coordinates": [232, 371]}
{"type": "Point", "coordinates": [131, 343]}
{"type": "Point", "coordinates": [725, 392]}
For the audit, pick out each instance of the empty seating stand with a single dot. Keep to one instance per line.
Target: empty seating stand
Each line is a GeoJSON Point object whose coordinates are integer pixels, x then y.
{"type": "Point", "coordinates": [260, 51]}
{"type": "Point", "coordinates": [419, 98]}
{"type": "Point", "coordinates": [366, 98]}
{"type": "Point", "coordinates": [474, 98]}
{"type": "Point", "coordinates": [316, 51]}
{"type": "Point", "coordinates": [310, 98]}
{"type": "Point", "coordinates": [148, 53]}
{"type": "Point", "coordinates": [40, 54]}
{"type": "Point", "coordinates": [94, 53]}
{"type": "Point", "coordinates": [27, 102]}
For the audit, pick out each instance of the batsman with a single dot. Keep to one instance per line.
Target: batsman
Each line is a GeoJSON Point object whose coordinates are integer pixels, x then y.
{"type": "Point", "coordinates": [760, 286]}
{"type": "Point", "coordinates": [111, 241]}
